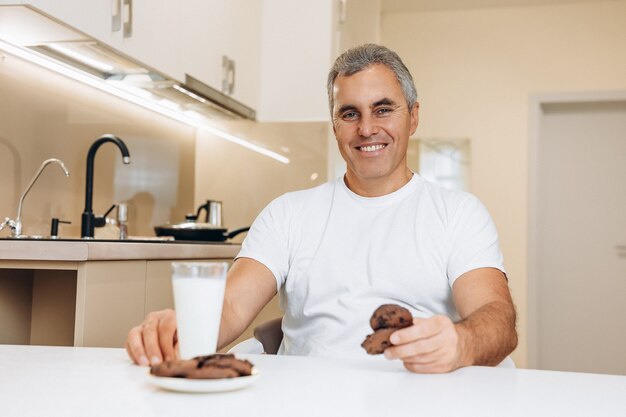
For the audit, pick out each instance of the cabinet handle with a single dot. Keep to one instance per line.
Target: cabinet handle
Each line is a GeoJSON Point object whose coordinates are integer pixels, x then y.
{"type": "Point", "coordinates": [228, 75]}
{"type": "Point", "coordinates": [231, 78]}
{"type": "Point", "coordinates": [225, 70]}
{"type": "Point", "coordinates": [128, 18]}
{"type": "Point", "coordinates": [116, 15]}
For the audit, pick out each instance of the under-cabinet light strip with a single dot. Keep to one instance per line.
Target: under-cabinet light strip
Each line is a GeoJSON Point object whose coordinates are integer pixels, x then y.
{"type": "Point", "coordinates": [141, 101]}
{"type": "Point", "coordinates": [189, 93]}
{"type": "Point", "coordinates": [81, 58]}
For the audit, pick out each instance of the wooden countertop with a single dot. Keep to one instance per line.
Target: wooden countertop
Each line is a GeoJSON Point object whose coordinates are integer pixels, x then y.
{"type": "Point", "coordinates": [77, 250]}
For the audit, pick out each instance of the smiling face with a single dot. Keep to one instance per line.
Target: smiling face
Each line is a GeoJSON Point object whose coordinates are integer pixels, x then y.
{"type": "Point", "coordinates": [372, 124]}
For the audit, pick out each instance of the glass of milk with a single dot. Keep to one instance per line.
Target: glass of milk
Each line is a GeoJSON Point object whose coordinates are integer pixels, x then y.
{"type": "Point", "coordinates": [198, 298]}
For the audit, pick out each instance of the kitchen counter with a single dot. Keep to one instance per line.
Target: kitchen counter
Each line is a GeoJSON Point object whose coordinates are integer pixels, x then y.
{"type": "Point", "coordinates": [90, 250]}
{"type": "Point", "coordinates": [89, 293]}
{"type": "Point", "coordinates": [53, 381]}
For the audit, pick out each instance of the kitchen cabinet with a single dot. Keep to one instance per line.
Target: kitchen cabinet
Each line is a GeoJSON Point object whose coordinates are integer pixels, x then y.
{"type": "Point", "coordinates": [76, 293]}
{"type": "Point", "coordinates": [278, 51]}
{"type": "Point", "coordinates": [94, 20]}
{"type": "Point", "coordinates": [87, 293]}
{"type": "Point", "coordinates": [92, 303]}
{"type": "Point", "coordinates": [66, 303]}
{"type": "Point", "coordinates": [176, 38]}
{"type": "Point", "coordinates": [193, 37]}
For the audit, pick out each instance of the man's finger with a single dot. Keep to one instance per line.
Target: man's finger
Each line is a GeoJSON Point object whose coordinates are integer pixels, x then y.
{"type": "Point", "coordinates": [151, 339]}
{"type": "Point", "coordinates": [166, 331]}
{"type": "Point", "coordinates": [425, 358]}
{"type": "Point", "coordinates": [414, 348]}
{"type": "Point", "coordinates": [421, 329]}
{"type": "Point", "coordinates": [134, 347]}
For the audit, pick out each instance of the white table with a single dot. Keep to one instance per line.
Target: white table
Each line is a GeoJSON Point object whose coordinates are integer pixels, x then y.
{"type": "Point", "coordinates": [59, 381]}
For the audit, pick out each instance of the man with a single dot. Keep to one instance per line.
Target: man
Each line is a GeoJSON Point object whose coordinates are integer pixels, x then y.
{"type": "Point", "coordinates": [381, 234]}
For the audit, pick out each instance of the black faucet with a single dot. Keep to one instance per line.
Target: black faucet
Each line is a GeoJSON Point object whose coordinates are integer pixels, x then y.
{"type": "Point", "coordinates": [89, 221]}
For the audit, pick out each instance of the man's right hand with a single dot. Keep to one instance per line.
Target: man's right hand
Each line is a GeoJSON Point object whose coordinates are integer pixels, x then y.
{"type": "Point", "coordinates": [154, 340]}
{"type": "Point", "coordinates": [249, 287]}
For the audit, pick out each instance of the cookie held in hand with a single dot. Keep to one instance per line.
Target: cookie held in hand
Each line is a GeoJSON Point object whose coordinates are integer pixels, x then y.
{"type": "Point", "coordinates": [386, 319]}
{"type": "Point", "coordinates": [378, 341]}
{"type": "Point", "coordinates": [391, 316]}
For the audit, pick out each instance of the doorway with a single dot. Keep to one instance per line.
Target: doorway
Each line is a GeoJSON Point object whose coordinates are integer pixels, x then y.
{"type": "Point", "coordinates": [577, 236]}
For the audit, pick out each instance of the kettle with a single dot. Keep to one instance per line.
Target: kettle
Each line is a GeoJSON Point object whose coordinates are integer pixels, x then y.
{"type": "Point", "coordinates": [213, 213]}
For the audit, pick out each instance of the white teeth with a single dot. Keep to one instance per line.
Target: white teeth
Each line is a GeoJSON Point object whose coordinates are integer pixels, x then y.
{"type": "Point", "coordinates": [372, 148]}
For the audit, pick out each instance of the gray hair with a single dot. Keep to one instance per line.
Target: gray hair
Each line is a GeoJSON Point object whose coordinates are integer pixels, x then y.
{"type": "Point", "coordinates": [358, 58]}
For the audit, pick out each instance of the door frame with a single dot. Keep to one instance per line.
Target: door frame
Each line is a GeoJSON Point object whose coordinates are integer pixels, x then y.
{"type": "Point", "coordinates": [536, 113]}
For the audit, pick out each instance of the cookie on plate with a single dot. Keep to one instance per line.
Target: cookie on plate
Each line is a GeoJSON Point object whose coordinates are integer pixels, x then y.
{"type": "Point", "coordinates": [215, 366]}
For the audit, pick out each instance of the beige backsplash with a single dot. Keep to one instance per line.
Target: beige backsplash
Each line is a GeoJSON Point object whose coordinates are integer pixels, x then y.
{"type": "Point", "coordinates": [174, 168]}
{"type": "Point", "coordinates": [45, 115]}
{"type": "Point", "coordinates": [246, 181]}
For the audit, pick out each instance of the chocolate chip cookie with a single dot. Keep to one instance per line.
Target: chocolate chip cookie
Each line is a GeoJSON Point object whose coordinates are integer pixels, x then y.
{"type": "Point", "coordinates": [391, 315]}
{"type": "Point", "coordinates": [204, 367]}
{"type": "Point", "coordinates": [386, 319]}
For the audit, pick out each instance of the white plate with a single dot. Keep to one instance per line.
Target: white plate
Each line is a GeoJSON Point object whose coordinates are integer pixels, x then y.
{"type": "Point", "coordinates": [203, 385]}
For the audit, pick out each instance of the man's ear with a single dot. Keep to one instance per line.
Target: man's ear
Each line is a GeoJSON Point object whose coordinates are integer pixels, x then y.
{"type": "Point", "coordinates": [414, 117]}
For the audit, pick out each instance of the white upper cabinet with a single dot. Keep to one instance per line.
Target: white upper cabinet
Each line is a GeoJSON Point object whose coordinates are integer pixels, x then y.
{"type": "Point", "coordinates": [215, 41]}
{"type": "Point", "coordinates": [95, 20]}
{"type": "Point", "coordinates": [271, 55]}
{"type": "Point", "coordinates": [240, 36]}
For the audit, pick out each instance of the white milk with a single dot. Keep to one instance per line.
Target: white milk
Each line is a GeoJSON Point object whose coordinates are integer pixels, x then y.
{"type": "Point", "coordinates": [198, 302]}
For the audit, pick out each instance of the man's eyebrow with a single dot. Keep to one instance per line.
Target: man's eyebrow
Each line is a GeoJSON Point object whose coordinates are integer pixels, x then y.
{"type": "Point", "coordinates": [384, 102]}
{"type": "Point", "coordinates": [345, 108]}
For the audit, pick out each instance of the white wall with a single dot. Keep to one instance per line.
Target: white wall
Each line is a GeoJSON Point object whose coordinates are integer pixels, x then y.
{"type": "Point", "coordinates": [475, 71]}
{"type": "Point", "coordinates": [288, 43]}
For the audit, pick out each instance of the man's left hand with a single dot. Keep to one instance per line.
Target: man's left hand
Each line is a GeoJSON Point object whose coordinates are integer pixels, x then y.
{"type": "Point", "coordinates": [431, 345]}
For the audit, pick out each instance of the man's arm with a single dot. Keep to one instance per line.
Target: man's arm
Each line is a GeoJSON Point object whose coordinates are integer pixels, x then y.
{"type": "Point", "coordinates": [250, 285]}
{"type": "Point", "coordinates": [485, 335]}
{"type": "Point", "coordinates": [249, 288]}
{"type": "Point", "coordinates": [487, 329]}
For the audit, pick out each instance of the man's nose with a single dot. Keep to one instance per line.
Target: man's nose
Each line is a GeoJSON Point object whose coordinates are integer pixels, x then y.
{"type": "Point", "coordinates": [367, 126]}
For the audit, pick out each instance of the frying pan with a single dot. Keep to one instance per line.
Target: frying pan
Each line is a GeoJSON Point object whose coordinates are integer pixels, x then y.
{"type": "Point", "coordinates": [197, 231]}
{"type": "Point", "coordinates": [211, 230]}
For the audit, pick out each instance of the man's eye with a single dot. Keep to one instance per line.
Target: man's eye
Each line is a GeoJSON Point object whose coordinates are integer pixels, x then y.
{"type": "Point", "coordinates": [383, 111]}
{"type": "Point", "coordinates": [351, 115]}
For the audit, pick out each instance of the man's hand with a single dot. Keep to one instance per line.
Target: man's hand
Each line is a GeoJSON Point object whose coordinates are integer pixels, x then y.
{"type": "Point", "coordinates": [430, 345]}
{"type": "Point", "coordinates": [249, 287]}
{"type": "Point", "coordinates": [484, 336]}
{"type": "Point", "coordinates": [153, 340]}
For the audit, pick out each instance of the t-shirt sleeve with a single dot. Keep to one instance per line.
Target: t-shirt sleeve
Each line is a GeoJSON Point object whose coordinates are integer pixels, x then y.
{"type": "Point", "coordinates": [473, 240]}
{"type": "Point", "coordinates": [267, 240]}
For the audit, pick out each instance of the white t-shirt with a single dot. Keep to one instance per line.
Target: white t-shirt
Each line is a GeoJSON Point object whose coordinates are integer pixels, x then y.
{"type": "Point", "coordinates": [337, 256]}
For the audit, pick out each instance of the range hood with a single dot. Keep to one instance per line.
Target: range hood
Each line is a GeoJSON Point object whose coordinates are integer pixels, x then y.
{"type": "Point", "coordinates": [25, 27]}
